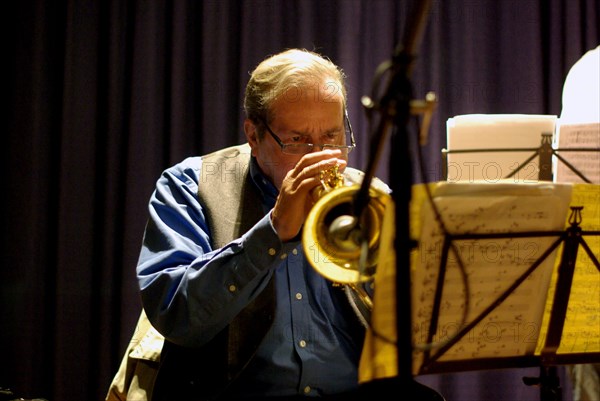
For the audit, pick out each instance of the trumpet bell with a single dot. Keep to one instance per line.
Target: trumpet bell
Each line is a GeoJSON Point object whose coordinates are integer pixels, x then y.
{"type": "Point", "coordinates": [341, 247]}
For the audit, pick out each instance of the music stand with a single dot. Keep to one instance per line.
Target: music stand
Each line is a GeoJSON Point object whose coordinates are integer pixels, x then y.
{"type": "Point", "coordinates": [571, 239]}
{"type": "Point", "coordinates": [545, 152]}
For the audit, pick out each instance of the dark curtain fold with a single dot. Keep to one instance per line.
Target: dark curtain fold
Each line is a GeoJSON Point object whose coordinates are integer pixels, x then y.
{"type": "Point", "coordinates": [102, 96]}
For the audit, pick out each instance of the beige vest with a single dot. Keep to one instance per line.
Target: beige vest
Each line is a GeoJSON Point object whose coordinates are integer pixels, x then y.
{"type": "Point", "coordinates": [221, 186]}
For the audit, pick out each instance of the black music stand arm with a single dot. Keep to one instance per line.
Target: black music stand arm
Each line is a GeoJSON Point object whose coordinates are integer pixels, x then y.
{"type": "Point", "coordinates": [394, 108]}
{"type": "Point", "coordinates": [564, 281]}
{"type": "Point", "coordinates": [548, 381]}
{"type": "Point", "coordinates": [401, 176]}
{"type": "Point", "coordinates": [400, 168]}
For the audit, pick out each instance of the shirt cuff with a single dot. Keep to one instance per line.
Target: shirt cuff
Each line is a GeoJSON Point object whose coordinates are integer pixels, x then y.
{"type": "Point", "coordinates": [263, 246]}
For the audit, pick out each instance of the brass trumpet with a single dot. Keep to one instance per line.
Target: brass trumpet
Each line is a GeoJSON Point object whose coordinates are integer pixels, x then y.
{"type": "Point", "coordinates": [341, 247]}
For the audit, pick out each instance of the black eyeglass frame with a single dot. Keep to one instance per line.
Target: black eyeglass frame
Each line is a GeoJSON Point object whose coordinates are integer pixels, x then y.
{"type": "Point", "coordinates": [311, 146]}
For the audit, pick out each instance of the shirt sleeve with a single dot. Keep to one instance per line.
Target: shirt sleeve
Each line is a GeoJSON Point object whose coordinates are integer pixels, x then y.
{"type": "Point", "coordinates": [190, 291]}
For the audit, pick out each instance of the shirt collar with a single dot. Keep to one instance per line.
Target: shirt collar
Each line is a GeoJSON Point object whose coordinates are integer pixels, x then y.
{"type": "Point", "coordinates": [268, 191]}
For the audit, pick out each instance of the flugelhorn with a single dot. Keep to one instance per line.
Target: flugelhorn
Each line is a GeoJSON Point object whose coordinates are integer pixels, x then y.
{"type": "Point", "coordinates": [341, 247]}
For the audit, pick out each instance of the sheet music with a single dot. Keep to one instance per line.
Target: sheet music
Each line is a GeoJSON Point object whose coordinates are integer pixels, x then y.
{"type": "Point", "coordinates": [587, 163]}
{"type": "Point", "coordinates": [491, 266]}
{"type": "Point", "coordinates": [517, 327]}
{"type": "Point", "coordinates": [495, 131]}
{"type": "Point", "coordinates": [581, 332]}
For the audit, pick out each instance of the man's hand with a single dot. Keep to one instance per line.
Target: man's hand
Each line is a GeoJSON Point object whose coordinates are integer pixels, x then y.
{"type": "Point", "coordinates": [295, 196]}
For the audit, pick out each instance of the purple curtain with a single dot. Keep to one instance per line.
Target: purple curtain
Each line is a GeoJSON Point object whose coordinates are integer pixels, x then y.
{"type": "Point", "coordinates": [103, 95]}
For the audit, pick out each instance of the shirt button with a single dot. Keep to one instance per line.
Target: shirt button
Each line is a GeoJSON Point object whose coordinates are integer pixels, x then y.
{"type": "Point", "coordinates": [232, 288]}
{"type": "Point", "coordinates": [307, 389]}
{"type": "Point", "coordinates": [302, 343]}
{"type": "Point", "coordinates": [298, 296]}
{"type": "Point", "coordinates": [283, 256]}
{"type": "Point", "coordinates": [295, 251]}
{"type": "Point", "coordinates": [272, 251]}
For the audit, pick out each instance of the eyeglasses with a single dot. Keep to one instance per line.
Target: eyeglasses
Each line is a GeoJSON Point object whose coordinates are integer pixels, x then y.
{"type": "Point", "coordinates": [304, 148]}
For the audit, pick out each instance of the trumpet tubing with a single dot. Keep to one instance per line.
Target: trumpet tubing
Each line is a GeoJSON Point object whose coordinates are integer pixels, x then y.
{"type": "Point", "coordinates": [341, 247]}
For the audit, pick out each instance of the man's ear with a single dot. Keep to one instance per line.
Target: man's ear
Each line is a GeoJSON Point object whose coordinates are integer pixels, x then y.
{"type": "Point", "coordinates": [251, 132]}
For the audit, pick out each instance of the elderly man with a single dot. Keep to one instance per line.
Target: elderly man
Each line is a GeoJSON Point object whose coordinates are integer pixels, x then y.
{"type": "Point", "coordinates": [222, 271]}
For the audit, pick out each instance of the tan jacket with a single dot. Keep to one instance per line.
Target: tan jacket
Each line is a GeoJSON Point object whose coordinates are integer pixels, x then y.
{"type": "Point", "coordinates": [135, 378]}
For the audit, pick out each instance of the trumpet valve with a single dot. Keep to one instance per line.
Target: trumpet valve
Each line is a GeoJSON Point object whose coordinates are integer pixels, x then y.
{"type": "Point", "coordinates": [330, 179]}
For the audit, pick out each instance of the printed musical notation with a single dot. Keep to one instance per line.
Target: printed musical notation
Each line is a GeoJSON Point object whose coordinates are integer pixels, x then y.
{"type": "Point", "coordinates": [491, 266]}
{"type": "Point", "coordinates": [587, 163]}
{"type": "Point", "coordinates": [518, 325]}
{"type": "Point", "coordinates": [581, 331]}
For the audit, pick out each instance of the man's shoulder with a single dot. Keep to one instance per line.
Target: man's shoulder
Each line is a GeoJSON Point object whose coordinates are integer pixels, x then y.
{"type": "Point", "coordinates": [195, 162]}
{"type": "Point", "coordinates": [230, 152]}
{"type": "Point", "coordinates": [356, 176]}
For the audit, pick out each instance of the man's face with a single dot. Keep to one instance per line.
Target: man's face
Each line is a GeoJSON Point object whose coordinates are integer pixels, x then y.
{"type": "Point", "coordinates": [302, 115]}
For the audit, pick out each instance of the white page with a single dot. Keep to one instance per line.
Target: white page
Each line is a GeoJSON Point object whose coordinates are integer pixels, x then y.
{"type": "Point", "coordinates": [495, 131]}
